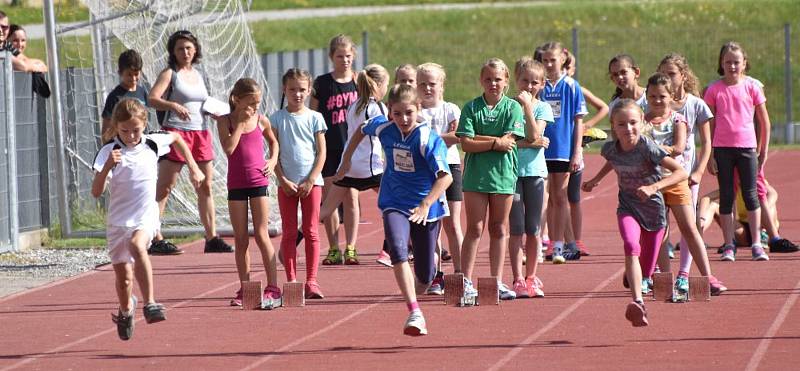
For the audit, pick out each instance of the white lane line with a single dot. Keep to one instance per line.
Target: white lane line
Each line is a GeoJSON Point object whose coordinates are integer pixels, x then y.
{"type": "Point", "coordinates": [761, 351]}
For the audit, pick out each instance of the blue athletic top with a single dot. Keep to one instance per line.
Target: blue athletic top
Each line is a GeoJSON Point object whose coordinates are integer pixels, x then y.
{"type": "Point", "coordinates": [412, 164]}
{"type": "Point", "coordinates": [566, 100]}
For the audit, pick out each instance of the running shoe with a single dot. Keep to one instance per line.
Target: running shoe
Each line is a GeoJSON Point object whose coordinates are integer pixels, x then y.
{"type": "Point", "coordinates": [415, 324]}
{"type": "Point", "coordinates": [154, 312]}
{"type": "Point", "coordinates": [521, 289]}
{"type": "Point", "coordinates": [217, 245]}
{"type": "Point", "coordinates": [350, 256]}
{"type": "Point", "coordinates": [535, 287]}
{"type": "Point", "coordinates": [647, 286]}
{"type": "Point", "coordinates": [504, 292]}
{"type": "Point", "coordinates": [764, 237]}
{"type": "Point", "coordinates": [437, 286]}
{"type": "Point", "coordinates": [271, 298]}
{"type": "Point", "coordinates": [558, 257]}
{"type": "Point", "coordinates": [758, 253]}
{"type": "Point", "coordinates": [446, 255]}
{"type": "Point", "coordinates": [163, 247]}
{"type": "Point", "coordinates": [571, 251]}
{"type": "Point", "coordinates": [670, 250]}
{"type": "Point", "coordinates": [728, 253]}
{"type": "Point", "coordinates": [682, 284]}
{"type": "Point", "coordinates": [312, 290]}
{"type": "Point", "coordinates": [125, 321]}
{"type": "Point", "coordinates": [470, 294]}
{"type": "Point", "coordinates": [582, 248]}
{"type": "Point", "coordinates": [637, 314]}
{"type": "Point", "coordinates": [782, 245]}
{"type": "Point", "coordinates": [237, 300]}
{"type": "Point", "coordinates": [334, 257]}
{"type": "Point", "coordinates": [384, 259]}
{"type": "Point", "coordinates": [716, 285]}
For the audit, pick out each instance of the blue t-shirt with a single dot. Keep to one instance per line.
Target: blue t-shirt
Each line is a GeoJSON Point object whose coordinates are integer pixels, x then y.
{"type": "Point", "coordinates": [566, 101]}
{"type": "Point", "coordinates": [531, 160]}
{"type": "Point", "coordinates": [297, 136]}
{"type": "Point", "coordinates": [412, 165]}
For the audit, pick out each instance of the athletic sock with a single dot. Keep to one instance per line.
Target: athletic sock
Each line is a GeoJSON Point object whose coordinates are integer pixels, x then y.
{"type": "Point", "coordinates": [683, 274]}
{"type": "Point", "coordinates": [412, 306]}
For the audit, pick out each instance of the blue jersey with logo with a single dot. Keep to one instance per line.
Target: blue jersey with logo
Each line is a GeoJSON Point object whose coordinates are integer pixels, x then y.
{"type": "Point", "coordinates": [412, 164]}
{"type": "Point", "coordinates": [566, 100]}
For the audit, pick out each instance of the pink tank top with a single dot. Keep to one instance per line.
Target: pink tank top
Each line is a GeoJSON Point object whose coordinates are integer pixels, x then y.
{"type": "Point", "coordinates": [246, 163]}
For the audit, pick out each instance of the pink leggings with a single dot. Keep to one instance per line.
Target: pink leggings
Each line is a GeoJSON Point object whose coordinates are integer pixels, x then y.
{"type": "Point", "coordinates": [640, 242]}
{"type": "Point", "coordinates": [310, 208]}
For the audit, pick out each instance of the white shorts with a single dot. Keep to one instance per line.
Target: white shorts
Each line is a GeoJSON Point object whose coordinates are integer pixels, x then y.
{"type": "Point", "coordinates": [119, 242]}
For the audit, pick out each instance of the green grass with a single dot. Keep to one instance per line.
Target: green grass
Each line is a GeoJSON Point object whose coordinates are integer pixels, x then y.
{"type": "Point", "coordinates": [23, 15]}
{"type": "Point", "coordinates": [462, 40]}
{"type": "Point", "coordinates": [294, 4]}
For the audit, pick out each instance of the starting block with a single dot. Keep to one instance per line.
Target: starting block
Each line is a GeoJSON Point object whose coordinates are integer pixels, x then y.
{"type": "Point", "coordinates": [294, 294]}
{"type": "Point", "coordinates": [699, 289]}
{"type": "Point", "coordinates": [251, 295]}
{"type": "Point", "coordinates": [453, 289]}
{"type": "Point", "coordinates": [663, 286]}
{"type": "Point", "coordinates": [487, 291]}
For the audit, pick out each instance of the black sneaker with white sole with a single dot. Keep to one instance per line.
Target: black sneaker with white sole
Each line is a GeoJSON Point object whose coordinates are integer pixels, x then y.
{"type": "Point", "coordinates": [163, 247]}
{"type": "Point", "coordinates": [217, 244]}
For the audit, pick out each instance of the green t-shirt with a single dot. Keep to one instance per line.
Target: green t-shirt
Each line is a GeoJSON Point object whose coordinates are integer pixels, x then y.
{"type": "Point", "coordinates": [491, 171]}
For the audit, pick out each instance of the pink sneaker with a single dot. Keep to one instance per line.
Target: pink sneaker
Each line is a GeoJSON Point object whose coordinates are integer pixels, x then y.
{"type": "Point", "coordinates": [636, 313]}
{"type": "Point", "coordinates": [384, 259]}
{"type": "Point", "coordinates": [521, 289]}
{"type": "Point", "coordinates": [271, 298]}
{"type": "Point", "coordinates": [535, 287]}
{"type": "Point", "coordinates": [237, 300]}
{"type": "Point", "coordinates": [717, 287]}
{"type": "Point", "coordinates": [313, 291]}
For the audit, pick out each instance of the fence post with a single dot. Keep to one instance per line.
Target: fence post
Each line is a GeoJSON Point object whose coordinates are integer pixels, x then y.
{"type": "Point", "coordinates": [55, 110]}
{"type": "Point", "coordinates": [575, 50]}
{"type": "Point", "coordinates": [787, 81]}
{"type": "Point", "coordinates": [11, 153]}
{"type": "Point", "coordinates": [365, 46]}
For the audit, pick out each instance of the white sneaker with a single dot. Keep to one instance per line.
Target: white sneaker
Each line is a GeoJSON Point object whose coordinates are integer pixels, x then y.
{"type": "Point", "coordinates": [505, 293]}
{"type": "Point", "coordinates": [415, 324]}
{"type": "Point", "coordinates": [470, 294]}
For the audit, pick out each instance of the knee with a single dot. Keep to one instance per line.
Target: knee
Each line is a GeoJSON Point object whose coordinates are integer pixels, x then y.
{"type": "Point", "coordinates": [164, 190]}
{"type": "Point", "coordinates": [498, 230]}
{"type": "Point", "coordinates": [205, 188]}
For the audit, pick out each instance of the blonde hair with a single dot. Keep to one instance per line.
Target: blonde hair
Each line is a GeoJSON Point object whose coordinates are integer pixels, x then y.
{"type": "Point", "coordinates": [433, 68]}
{"type": "Point", "coordinates": [125, 110]}
{"type": "Point", "coordinates": [495, 64]}
{"type": "Point", "coordinates": [621, 105]}
{"type": "Point", "coordinates": [341, 41]}
{"type": "Point", "coordinates": [690, 80]}
{"type": "Point", "coordinates": [402, 93]}
{"type": "Point", "coordinates": [368, 81]}
{"type": "Point", "coordinates": [243, 87]}
{"type": "Point", "coordinates": [527, 63]}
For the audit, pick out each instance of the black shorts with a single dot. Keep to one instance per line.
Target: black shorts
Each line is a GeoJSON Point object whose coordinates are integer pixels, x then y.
{"type": "Point", "coordinates": [455, 192]}
{"type": "Point", "coordinates": [361, 184]}
{"type": "Point", "coordinates": [245, 194]}
{"type": "Point", "coordinates": [557, 166]}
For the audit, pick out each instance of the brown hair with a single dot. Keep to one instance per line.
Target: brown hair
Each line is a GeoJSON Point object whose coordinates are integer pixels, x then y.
{"type": "Point", "coordinates": [341, 41]}
{"type": "Point", "coordinates": [243, 87]}
{"type": "Point", "coordinates": [402, 93]}
{"type": "Point", "coordinates": [173, 40]}
{"type": "Point", "coordinates": [690, 81]}
{"type": "Point", "coordinates": [295, 74]}
{"type": "Point", "coordinates": [368, 81]}
{"type": "Point", "coordinates": [731, 46]}
{"type": "Point", "coordinates": [129, 60]}
{"type": "Point", "coordinates": [618, 59]}
{"type": "Point", "coordinates": [660, 79]}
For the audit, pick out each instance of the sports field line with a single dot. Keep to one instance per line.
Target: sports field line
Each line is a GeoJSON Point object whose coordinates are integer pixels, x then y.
{"type": "Point", "coordinates": [112, 329]}
{"type": "Point", "coordinates": [556, 321]}
{"type": "Point", "coordinates": [763, 345]}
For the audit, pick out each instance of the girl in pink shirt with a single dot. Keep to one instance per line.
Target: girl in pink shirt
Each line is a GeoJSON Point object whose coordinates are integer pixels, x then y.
{"type": "Point", "coordinates": [734, 100]}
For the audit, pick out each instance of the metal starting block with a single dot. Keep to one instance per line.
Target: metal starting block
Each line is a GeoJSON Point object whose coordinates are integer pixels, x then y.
{"type": "Point", "coordinates": [488, 293]}
{"type": "Point", "coordinates": [663, 286]}
{"type": "Point", "coordinates": [699, 289]}
{"type": "Point", "coordinates": [251, 295]}
{"type": "Point", "coordinates": [294, 294]}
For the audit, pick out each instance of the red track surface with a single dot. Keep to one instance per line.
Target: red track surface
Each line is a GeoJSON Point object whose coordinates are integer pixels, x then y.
{"type": "Point", "coordinates": [579, 325]}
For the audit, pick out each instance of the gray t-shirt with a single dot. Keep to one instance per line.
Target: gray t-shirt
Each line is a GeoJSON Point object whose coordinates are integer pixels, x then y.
{"type": "Point", "coordinates": [695, 111]}
{"type": "Point", "coordinates": [636, 168]}
{"type": "Point", "coordinates": [298, 142]}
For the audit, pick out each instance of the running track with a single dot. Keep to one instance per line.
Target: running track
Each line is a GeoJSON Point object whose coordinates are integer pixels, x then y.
{"type": "Point", "coordinates": [579, 325]}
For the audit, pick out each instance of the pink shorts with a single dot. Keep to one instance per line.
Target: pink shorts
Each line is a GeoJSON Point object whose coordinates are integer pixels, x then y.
{"type": "Point", "coordinates": [198, 141]}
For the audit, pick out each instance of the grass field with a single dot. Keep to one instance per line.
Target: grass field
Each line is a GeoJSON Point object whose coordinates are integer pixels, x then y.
{"type": "Point", "coordinates": [293, 4]}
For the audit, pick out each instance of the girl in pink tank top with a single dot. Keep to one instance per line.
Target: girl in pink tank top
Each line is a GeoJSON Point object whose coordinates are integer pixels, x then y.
{"type": "Point", "coordinates": [241, 134]}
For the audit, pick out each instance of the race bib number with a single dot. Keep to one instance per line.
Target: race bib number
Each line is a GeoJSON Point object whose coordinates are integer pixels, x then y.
{"type": "Point", "coordinates": [403, 160]}
{"type": "Point", "coordinates": [556, 106]}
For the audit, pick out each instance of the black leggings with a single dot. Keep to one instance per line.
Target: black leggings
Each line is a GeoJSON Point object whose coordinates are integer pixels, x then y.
{"type": "Point", "coordinates": [745, 162]}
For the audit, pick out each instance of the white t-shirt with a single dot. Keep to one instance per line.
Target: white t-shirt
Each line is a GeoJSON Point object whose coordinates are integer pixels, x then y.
{"type": "Point", "coordinates": [367, 160]}
{"type": "Point", "coordinates": [132, 182]}
{"type": "Point", "coordinates": [695, 111]}
{"type": "Point", "coordinates": [440, 118]}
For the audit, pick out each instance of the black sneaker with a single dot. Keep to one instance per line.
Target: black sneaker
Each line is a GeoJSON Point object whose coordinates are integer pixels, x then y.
{"type": "Point", "coordinates": [782, 245]}
{"type": "Point", "coordinates": [217, 244]}
{"type": "Point", "coordinates": [163, 247]}
{"type": "Point", "coordinates": [154, 312]}
{"type": "Point", "coordinates": [125, 321]}
{"type": "Point", "coordinates": [446, 255]}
